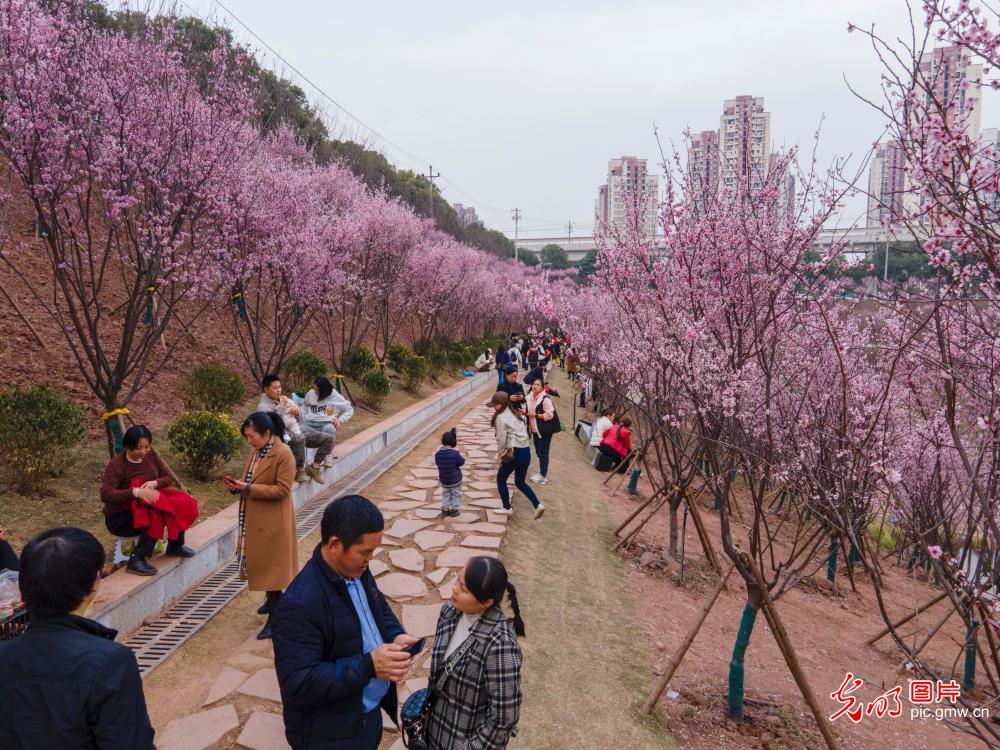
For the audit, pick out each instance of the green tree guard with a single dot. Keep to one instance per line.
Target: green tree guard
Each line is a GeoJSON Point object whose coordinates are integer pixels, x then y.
{"type": "Point", "coordinates": [831, 561]}
{"type": "Point", "coordinates": [969, 674]}
{"type": "Point", "coordinates": [117, 434]}
{"type": "Point", "coordinates": [633, 484]}
{"type": "Point", "coordinates": [708, 468]}
{"type": "Point", "coordinates": [781, 502]}
{"type": "Point", "coordinates": [147, 316]}
{"type": "Point", "coordinates": [241, 305]}
{"type": "Point", "coordinates": [732, 475]}
{"type": "Point", "coordinates": [854, 556]}
{"type": "Point", "coordinates": [338, 383]}
{"type": "Point", "coordinates": [736, 663]}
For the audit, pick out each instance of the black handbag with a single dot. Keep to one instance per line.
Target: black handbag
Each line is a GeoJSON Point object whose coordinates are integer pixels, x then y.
{"type": "Point", "coordinates": [416, 708]}
{"type": "Point", "coordinates": [547, 428]}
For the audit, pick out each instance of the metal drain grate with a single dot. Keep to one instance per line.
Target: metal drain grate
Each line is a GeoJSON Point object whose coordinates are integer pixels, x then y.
{"type": "Point", "coordinates": [160, 637]}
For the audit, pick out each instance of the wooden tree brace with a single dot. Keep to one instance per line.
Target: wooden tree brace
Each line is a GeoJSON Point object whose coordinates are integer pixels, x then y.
{"type": "Point", "coordinates": [787, 650]}
{"type": "Point", "coordinates": [678, 656]}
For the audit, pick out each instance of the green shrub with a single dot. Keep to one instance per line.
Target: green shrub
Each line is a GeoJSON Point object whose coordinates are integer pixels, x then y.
{"type": "Point", "coordinates": [422, 346]}
{"type": "Point", "coordinates": [456, 358]}
{"type": "Point", "coordinates": [377, 386]}
{"type": "Point", "coordinates": [398, 356]}
{"type": "Point", "coordinates": [437, 361]}
{"type": "Point", "coordinates": [39, 430]}
{"type": "Point", "coordinates": [415, 373]}
{"type": "Point", "coordinates": [203, 440]}
{"type": "Point", "coordinates": [212, 387]}
{"type": "Point", "coordinates": [360, 361]}
{"type": "Point", "coordinates": [301, 371]}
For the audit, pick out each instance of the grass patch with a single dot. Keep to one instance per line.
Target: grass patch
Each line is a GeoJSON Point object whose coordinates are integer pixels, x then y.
{"type": "Point", "coordinates": [586, 671]}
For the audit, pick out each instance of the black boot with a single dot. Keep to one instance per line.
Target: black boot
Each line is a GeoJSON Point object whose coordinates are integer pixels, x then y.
{"type": "Point", "coordinates": [265, 632]}
{"type": "Point", "coordinates": [270, 603]}
{"type": "Point", "coordinates": [138, 566]}
{"type": "Point", "coordinates": [176, 549]}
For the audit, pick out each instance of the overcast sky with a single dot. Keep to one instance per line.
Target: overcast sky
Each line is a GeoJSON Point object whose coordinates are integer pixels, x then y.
{"type": "Point", "coordinates": [523, 103]}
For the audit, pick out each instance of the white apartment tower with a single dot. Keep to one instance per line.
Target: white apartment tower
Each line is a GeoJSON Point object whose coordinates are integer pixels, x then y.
{"type": "Point", "coordinates": [952, 80]}
{"type": "Point", "coordinates": [744, 142]}
{"type": "Point", "coordinates": [629, 192]}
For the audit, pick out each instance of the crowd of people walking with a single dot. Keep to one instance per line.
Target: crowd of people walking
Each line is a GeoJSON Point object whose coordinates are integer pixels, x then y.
{"type": "Point", "coordinates": [525, 419]}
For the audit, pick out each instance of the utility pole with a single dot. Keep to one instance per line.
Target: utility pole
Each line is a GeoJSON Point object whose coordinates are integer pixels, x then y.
{"type": "Point", "coordinates": [569, 235]}
{"type": "Point", "coordinates": [516, 214]}
{"type": "Point", "coordinates": [430, 187]}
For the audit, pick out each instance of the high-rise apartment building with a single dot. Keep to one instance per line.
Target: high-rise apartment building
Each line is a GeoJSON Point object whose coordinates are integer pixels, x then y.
{"type": "Point", "coordinates": [744, 142]}
{"type": "Point", "coordinates": [466, 215]}
{"type": "Point", "coordinates": [990, 147]}
{"type": "Point", "coordinates": [786, 198]}
{"type": "Point", "coordinates": [887, 184]}
{"type": "Point", "coordinates": [954, 80]}
{"type": "Point", "coordinates": [738, 153]}
{"type": "Point", "coordinates": [629, 191]}
{"type": "Point", "coordinates": [703, 161]}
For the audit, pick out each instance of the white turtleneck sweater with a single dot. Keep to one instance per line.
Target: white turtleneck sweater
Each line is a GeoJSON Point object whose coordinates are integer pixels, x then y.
{"type": "Point", "coordinates": [462, 629]}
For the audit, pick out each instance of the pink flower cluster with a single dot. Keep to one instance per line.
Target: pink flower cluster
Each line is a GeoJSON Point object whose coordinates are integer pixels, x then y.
{"type": "Point", "coordinates": [151, 188]}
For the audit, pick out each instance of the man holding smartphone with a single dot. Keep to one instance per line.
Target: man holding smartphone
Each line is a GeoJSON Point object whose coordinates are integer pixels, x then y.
{"type": "Point", "coordinates": [338, 648]}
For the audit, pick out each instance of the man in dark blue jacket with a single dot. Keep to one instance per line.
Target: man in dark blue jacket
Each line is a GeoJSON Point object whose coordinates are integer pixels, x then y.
{"type": "Point", "coordinates": [503, 359]}
{"type": "Point", "coordinates": [513, 389]}
{"type": "Point", "coordinates": [66, 683]}
{"type": "Point", "coordinates": [338, 648]}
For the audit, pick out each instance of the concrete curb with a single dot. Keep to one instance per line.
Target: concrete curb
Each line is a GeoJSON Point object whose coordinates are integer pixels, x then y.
{"type": "Point", "coordinates": [124, 602]}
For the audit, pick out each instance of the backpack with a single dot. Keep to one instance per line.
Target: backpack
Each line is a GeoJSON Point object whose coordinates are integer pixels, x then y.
{"type": "Point", "coordinates": [550, 427]}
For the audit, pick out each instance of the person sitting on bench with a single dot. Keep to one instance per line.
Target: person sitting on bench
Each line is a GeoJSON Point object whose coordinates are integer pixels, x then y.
{"type": "Point", "coordinates": [132, 490]}
{"type": "Point", "coordinates": [617, 442]}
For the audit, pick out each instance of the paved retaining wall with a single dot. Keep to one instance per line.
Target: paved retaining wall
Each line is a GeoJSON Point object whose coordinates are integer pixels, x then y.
{"type": "Point", "coordinates": [126, 601]}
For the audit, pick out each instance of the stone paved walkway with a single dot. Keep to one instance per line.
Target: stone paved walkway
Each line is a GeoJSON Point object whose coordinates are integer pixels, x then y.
{"type": "Point", "coordinates": [420, 558]}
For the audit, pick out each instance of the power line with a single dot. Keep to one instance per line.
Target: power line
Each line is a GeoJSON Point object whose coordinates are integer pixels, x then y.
{"type": "Point", "coordinates": [414, 159]}
{"type": "Point", "coordinates": [516, 214]}
{"type": "Point", "coordinates": [326, 96]}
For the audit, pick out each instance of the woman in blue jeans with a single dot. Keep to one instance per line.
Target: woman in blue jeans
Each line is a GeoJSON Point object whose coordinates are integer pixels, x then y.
{"type": "Point", "coordinates": [512, 434]}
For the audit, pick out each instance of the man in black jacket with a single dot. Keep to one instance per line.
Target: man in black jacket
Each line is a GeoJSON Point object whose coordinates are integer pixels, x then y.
{"type": "Point", "coordinates": [338, 648]}
{"type": "Point", "coordinates": [66, 683]}
{"type": "Point", "coordinates": [513, 389]}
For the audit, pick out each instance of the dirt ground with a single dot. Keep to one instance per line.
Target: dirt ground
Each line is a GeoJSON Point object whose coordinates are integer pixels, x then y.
{"type": "Point", "coordinates": [828, 630]}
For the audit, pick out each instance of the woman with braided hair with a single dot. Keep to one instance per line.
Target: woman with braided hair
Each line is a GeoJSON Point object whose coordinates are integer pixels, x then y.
{"type": "Point", "coordinates": [479, 703]}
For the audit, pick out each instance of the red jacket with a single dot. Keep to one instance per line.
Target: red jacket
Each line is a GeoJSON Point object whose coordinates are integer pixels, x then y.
{"type": "Point", "coordinates": [174, 511]}
{"type": "Point", "coordinates": [619, 439]}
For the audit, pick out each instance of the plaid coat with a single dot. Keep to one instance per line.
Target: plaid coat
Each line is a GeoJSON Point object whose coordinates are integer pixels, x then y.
{"type": "Point", "coordinates": [481, 702]}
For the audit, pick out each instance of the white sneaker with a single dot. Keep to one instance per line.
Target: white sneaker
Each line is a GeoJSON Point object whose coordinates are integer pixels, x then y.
{"type": "Point", "coordinates": [504, 511]}
{"type": "Point", "coordinates": [543, 480]}
{"type": "Point", "coordinates": [536, 477]}
{"type": "Point", "coordinates": [539, 511]}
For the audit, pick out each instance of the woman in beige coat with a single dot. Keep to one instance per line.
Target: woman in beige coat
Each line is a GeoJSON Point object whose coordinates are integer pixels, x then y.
{"type": "Point", "coordinates": [268, 547]}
